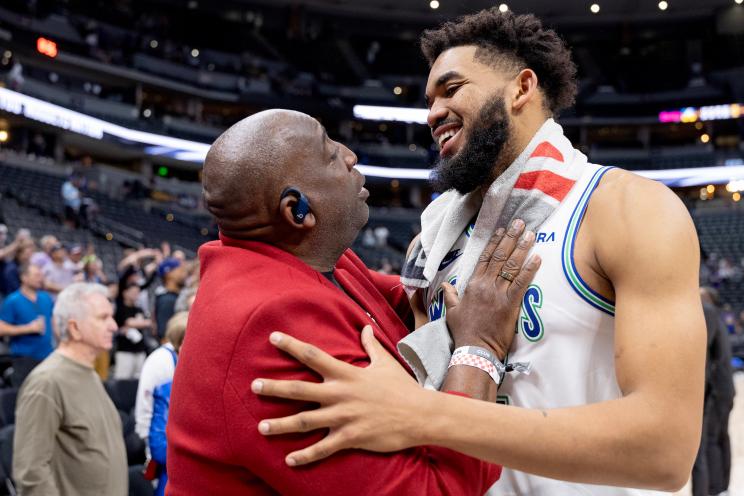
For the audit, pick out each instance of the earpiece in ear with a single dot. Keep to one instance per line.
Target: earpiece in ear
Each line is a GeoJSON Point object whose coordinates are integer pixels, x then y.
{"type": "Point", "coordinates": [302, 208]}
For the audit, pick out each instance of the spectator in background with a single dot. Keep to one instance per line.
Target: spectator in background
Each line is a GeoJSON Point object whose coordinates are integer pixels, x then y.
{"type": "Point", "coordinates": [153, 394]}
{"type": "Point", "coordinates": [191, 284]}
{"type": "Point", "coordinates": [8, 252]}
{"type": "Point", "coordinates": [368, 238]}
{"type": "Point", "coordinates": [68, 437]}
{"type": "Point", "coordinates": [60, 272]}
{"type": "Point", "coordinates": [185, 299]}
{"type": "Point", "coordinates": [26, 316]}
{"type": "Point", "coordinates": [712, 469]}
{"type": "Point", "coordinates": [173, 273]}
{"type": "Point", "coordinates": [727, 271]}
{"type": "Point", "coordinates": [140, 267]}
{"type": "Point", "coordinates": [381, 236]}
{"type": "Point", "coordinates": [3, 235]}
{"type": "Point", "coordinates": [386, 267]}
{"type": "Point", "coordinates": [75, 256]}
{"type": "Point", "coordinates": [12, 272]}
{"type": "Point", "coordinates": [43, 257]}
{"type": "Point", "coordinates": [130, 340]}
{"type": "Point", "coordinates": [15, 76]}
{"type": "Point", "coordinates": [93, 270]}
{"type": "Point", "coordinates": [72, 200]}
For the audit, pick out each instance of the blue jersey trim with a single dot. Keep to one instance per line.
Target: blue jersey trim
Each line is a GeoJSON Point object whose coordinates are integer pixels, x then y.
{"type": "Point", "coordinates": [569, 243]}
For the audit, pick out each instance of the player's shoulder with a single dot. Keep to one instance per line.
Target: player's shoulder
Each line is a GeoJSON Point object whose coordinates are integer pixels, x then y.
{"type": "Point", "coordinates": [624, 198]}
{"type": "Point", "coordinates": [633, 219]}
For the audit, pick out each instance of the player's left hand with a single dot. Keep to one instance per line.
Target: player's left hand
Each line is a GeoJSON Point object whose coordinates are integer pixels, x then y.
{"type": "Point", "coordinates": [366, 408]}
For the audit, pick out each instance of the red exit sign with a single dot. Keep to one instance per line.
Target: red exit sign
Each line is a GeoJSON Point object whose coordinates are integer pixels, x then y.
{"type": "Point", "coordinates": [46, 47]}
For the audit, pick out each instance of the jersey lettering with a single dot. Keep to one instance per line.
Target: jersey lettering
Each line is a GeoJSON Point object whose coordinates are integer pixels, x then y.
{"type": "Point", "coordinates": [530, 322]}
{"type": "Point", "coordinates": [437, 308]}
{"type": "Point", "coordinates": [545, 237]}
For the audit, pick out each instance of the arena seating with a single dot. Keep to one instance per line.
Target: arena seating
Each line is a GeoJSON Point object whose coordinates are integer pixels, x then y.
{"type": "Point", "coordinates": [721, 233]}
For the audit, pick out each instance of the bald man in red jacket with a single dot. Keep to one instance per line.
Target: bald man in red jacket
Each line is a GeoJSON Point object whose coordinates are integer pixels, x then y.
{"type": "Point", "coordinates": [289, 203]}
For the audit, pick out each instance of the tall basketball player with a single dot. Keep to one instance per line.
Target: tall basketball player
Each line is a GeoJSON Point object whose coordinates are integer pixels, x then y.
{"type": "Point", "coordinates": [612, 326]}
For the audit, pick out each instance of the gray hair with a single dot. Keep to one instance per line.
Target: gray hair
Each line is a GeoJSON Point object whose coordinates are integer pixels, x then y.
{"type": "Point", "coordinates": [70, 303]}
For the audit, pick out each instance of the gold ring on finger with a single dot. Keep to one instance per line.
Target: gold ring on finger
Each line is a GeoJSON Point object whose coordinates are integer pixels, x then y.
{"type": "Point", "coordinates": [506, 275]}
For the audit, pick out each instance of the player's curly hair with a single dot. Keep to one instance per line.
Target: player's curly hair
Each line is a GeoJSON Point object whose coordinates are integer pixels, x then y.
{"type": "Point", "coordinates": [513, 42]}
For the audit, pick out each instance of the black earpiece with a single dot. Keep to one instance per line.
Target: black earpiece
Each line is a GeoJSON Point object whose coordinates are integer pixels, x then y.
{"type": "Point", "coordinates": [302, 208]}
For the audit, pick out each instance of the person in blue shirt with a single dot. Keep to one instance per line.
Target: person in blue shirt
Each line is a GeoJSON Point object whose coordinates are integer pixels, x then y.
{"type": "Point", "coordinates": [26, 316]}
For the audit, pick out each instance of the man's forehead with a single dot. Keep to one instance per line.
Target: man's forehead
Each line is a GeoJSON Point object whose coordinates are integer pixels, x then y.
{"type": "Point", "coordinates": [458, 59]}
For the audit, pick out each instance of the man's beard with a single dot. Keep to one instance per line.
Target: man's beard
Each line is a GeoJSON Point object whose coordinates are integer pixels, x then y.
{"type": "Point", "coordinates": [472, 167]}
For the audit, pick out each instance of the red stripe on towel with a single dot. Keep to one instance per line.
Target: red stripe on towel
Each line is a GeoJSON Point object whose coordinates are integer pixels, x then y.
{"type": "Point", "coordinates": [545, 149]}
{"type": "Point", "coordinates": [548, 182]}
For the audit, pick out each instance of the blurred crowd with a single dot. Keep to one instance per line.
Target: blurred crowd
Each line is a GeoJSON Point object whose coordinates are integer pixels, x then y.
{"type": "Point", "coordinates": [149, 293]}
{"type": "Point", "coordinates": [716, 270]}
{"type": "Point", "coordinates": [150, 286]}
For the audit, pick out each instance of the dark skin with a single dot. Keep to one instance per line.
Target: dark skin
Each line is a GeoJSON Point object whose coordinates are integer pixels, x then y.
{"type": "Point", "coordinates": [249, 166]}
{"type": "Point", "coordinates": [636, 245]}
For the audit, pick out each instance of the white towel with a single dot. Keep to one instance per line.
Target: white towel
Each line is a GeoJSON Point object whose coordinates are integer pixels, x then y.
{"type": "Point", "coordinates": [531, 188]}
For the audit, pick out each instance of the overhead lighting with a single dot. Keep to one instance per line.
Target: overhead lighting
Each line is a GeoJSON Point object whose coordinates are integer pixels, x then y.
{"type": "Point", "coordinates": [401, 114]}
{"type": "Point", "coordinates": [736, 196]}
{"type": "Point", "coordinates": [194, 53]}
{"type": "Point", "coordinates": [738, 2]}
{"type": "Point", "coordinates": [192, 151]}
{"type": "Point", "coordinates": [4, 136]}
{"type": "Point", "coordinates": [397, 90]}
{"type": "Point", "coordinates": [705, 138]}
{"type": "Point", "coordinates": [7, 54]}
{"type": "Point", "coordinates": [663, 5]}
{"type": "Point", "coordinates": [434, 4]}
{"type": "Point", "coordinates": [153, 43]}
{"type": "Point", "coordinates": [147, 113]}
{"type": "Point", "coordinates": [503, 8]}
{"type": "Point", "coordinates": [710, 189]}
{"type": "Point", "coordinates": [594, 8]}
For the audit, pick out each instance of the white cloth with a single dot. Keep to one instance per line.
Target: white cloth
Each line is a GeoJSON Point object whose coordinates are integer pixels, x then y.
{"type": "Point", "coordinates": [61, 275]}
{"type": "Point", "coordinates": [530, 189]}
{"type": "Point", "coordinates": [71, 195]}
{"type": "Point", "coordinates": [158, 369]}
{"type": "Point", "coordinates": [128, 365]}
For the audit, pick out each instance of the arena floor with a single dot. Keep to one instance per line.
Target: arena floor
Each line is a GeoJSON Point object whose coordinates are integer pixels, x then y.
{"type": "Point", "coordinates": [736, 431]}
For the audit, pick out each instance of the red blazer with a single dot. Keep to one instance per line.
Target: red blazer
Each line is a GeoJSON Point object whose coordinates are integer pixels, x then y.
{"type": "Point", "coordinates": [249, 289]}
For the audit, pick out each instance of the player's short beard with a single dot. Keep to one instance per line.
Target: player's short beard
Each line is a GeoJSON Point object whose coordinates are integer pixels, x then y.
{"type": "Point", "coordinates": [473, 165]}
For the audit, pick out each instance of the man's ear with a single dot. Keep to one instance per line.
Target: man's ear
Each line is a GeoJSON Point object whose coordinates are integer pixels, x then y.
{"type": "Point", "coordinates": [73, 331]}
{"type": "Point", "coordinates": [286, 205]}
{"type": "Point", "coordinates": [526, 89]}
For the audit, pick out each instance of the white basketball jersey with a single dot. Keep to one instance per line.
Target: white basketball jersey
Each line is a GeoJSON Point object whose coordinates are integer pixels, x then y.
{"type": "Point", "coordinates": [565, 330]}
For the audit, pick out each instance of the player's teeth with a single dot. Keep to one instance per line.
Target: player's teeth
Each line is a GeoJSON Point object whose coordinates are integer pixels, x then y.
{"type": "Point", "coordinates": [447, 134]}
